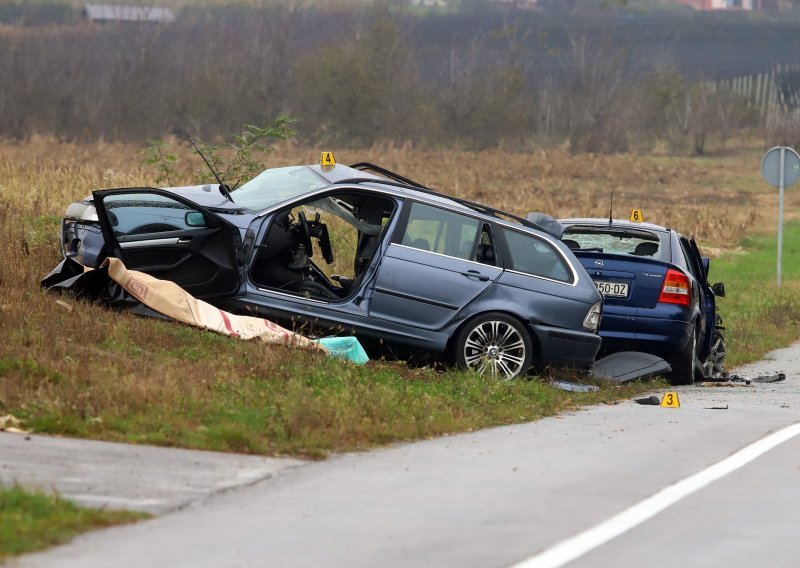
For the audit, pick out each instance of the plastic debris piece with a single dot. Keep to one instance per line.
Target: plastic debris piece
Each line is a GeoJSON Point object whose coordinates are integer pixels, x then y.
{"type": "Point", "coordinates": [574, 387]}
{"type": "Point", "coordinates": [628, 366]}
{"type": "Point", "coordinates": [12, 424]}
{"type": "Point", "coordinates": [726, 378]}
{"type": "Point", "coordinates": [652, 400]}
{"type": "Point", "coordinates": [716, 407]}
{"type": "Point", "coordinates": [346, 348]}
{"type": "Point", "coordinates": [776, 378]}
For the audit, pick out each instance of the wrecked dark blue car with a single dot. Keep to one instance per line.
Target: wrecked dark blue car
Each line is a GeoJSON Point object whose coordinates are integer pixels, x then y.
{"type": "Point", "coordinates": [657, 298]}
{"type": "Point", "coordinates": [357, 250]}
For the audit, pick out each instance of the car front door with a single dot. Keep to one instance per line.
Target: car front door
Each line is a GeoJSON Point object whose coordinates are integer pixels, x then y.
{"type": "Point", "coordinates": [707, 299]}
{"type": "Point", "coordinates": [156, 232]}
{"type": "Point", "coordinates": [429, 272]}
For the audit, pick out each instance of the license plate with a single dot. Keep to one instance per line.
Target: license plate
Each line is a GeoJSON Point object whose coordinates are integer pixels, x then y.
{"type": "Point", "coordinates": [612, 289]}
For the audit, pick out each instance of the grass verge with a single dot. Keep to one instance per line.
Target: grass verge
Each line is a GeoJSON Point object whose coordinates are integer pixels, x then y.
{"type": "Point", "coordinates": [91, 372]}
{"type": "Point", "coordinates": [757, 314]}
{"type": "Point", "coordinates": [32, 521]}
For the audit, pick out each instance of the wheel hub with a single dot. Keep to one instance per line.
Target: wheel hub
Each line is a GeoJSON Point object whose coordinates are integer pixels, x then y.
{"type": "Point", "coordinates": [495, 347]}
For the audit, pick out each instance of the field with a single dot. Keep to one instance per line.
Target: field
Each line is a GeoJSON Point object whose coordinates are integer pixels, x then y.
{"type": "Point", "coordinates": [82, 370]}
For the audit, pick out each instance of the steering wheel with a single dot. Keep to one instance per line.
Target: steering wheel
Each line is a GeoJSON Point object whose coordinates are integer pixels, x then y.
{"type": "Point", "coordinates": [305, 233]}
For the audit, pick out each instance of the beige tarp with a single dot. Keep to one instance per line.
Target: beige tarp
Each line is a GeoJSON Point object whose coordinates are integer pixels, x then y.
{"type": "Point", "coordinates": [171, 300]}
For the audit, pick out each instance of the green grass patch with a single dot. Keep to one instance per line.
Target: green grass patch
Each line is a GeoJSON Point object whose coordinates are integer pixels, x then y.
{"type": "Point", "coordinates": [309, 405]}
{"type": "Point", "coordinates": [31, 521]}
{"type": "Point", "coordinates": [758, 315]}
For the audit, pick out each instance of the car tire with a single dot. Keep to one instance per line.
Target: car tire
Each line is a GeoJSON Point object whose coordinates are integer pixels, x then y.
{"type": "Point", "coordinates": [494, 342]}
{"type": "Point", "coordinates": [684, 366]}
{"type": "Point", "coordinates": [712, 368]}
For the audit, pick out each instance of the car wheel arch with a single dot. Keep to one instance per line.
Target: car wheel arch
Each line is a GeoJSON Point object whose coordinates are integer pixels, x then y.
{"type": "Point", "coordinates": [524, 323]}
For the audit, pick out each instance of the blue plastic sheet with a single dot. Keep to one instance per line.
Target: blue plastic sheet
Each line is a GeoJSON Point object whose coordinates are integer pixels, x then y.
{"type": "Point", "coordinates": [345, 347]}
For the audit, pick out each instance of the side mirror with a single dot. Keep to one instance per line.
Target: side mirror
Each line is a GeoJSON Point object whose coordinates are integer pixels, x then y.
{"type": "Point", "coordinates": [718, 289]}
{"type": "Point", "coordinates": [195, 219]}
{"type": "Point", "coordinates": [704, 260]}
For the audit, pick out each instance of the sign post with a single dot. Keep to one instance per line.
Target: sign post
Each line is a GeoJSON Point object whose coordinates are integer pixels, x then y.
{"type": "Point", "coordinates": [780, 167]}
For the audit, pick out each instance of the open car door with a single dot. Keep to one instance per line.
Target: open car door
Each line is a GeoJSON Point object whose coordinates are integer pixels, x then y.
{"type": "Point", "coordinates": [707, 300]}
{"type": "Point", "coordinates": [157, 232]}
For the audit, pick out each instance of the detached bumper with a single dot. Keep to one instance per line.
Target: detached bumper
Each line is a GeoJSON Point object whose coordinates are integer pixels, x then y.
{"type": "Point", "coordinates": [577, 348]}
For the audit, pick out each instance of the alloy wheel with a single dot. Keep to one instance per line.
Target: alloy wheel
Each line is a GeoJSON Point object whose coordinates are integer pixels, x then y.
{"type": "Point", "coordinates": [497, 347]}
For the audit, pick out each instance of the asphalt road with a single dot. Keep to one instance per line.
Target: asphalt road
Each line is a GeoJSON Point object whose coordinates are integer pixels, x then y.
{"type": "Point", "coordinates": [123, 476]}
{"type": "Point", "coordinates": [504, 496]}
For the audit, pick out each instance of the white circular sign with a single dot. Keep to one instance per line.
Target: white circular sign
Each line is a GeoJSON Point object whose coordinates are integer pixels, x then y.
{"type": "Point", "coordinates": [771, 166]}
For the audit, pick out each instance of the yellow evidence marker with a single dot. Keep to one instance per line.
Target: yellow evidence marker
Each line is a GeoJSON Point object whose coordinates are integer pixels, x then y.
{"type": "Point", "coordinates": [636, 216]}
{"type": "Point", "coordinates": [670, 400]}
{"type": "Point", "coordinates": [327, 159]}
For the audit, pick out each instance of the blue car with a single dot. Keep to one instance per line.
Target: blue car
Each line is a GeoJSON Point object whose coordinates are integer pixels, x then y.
{"type": "Point", "coordinates": [656, 295]}
{"type": "Point", "coordinates": [357, 250]}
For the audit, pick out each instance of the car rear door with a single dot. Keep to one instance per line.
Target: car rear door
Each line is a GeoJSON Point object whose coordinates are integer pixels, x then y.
{"type": "Point", "coordinates": [430, 271]}
{"type": "Point", "coordinates": [171, 238]}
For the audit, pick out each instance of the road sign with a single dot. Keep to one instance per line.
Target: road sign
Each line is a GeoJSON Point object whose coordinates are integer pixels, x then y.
{"type": "Point", "coordinates": [780, 159]}
{"type": "Point", "coordinates": [780, 167]}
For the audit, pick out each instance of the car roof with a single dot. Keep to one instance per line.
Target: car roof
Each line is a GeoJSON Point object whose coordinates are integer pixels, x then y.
{"type": "Point", "coordinates": [391, 181]}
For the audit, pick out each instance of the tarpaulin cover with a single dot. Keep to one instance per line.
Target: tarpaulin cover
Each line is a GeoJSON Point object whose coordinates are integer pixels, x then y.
{"type": "Point", "coordinates": [115, 285]}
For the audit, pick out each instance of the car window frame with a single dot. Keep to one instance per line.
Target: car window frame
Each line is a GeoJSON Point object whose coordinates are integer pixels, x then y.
{"type": "Point", "coordinates": [502, 243]}
{"type": "Point", "coordinates": [405, 215]}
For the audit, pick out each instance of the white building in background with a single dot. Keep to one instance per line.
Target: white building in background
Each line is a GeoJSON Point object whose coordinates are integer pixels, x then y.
{"type": "Point", "coordinates": [117, 13]}
{"type": "Point", "coordinates": [748, 5]}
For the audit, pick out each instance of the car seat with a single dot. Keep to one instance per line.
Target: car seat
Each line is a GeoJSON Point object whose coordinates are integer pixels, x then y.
{"type": "Point", "coordinates": [572, 245]}
{"type": "Point", "coordinates": [421, 244]}
{"type": "Point", "coordinates": [485, 254]}
{"type": "Point", "coordinates": [646, 249]}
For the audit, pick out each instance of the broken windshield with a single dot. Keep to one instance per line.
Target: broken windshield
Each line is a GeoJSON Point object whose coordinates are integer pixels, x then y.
{"type": "Point", "coordinates": [276, 185]}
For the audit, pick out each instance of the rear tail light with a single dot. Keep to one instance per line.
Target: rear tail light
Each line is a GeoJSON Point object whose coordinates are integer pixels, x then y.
{"type": "Point", "coordinates": [592, 319]}
{"type": "Point", "coordinates": [676, 289]}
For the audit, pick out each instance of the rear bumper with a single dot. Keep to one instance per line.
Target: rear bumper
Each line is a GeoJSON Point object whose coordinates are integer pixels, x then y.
{"type": "Point", "coordinates": [665, 337]}
{"type": "Point", "coordinates": [568, 346]}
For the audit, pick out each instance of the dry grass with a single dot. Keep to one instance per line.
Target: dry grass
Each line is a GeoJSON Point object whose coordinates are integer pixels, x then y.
{"type": "Point", "coordinates": [96, 373]}
{"type": "Point", "coordinates": [719, 200]}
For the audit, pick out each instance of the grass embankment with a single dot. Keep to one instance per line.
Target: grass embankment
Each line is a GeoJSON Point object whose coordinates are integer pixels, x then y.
{"type": "Point", "coordinates": [98, 374]}
{"type": "Point", "coordinates": [33, 521]}
{"type": "Point", "coordinates": [758, 315]}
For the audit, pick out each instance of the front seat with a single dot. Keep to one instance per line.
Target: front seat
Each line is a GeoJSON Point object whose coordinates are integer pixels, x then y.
{"type": "Point", "coordinates": [646, 249]}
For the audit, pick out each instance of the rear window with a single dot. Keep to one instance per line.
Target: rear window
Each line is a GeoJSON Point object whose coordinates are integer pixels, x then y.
{"type": "Point", "coordinates": [610, 240]}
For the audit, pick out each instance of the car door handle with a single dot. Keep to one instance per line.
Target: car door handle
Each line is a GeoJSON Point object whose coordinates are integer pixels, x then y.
{"type": "Point", "coordinates": [475, 274]}
{"type": "Point", "coordinates": [184, 240]}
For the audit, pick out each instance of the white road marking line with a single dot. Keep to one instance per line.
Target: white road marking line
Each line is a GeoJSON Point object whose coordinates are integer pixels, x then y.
{"type": "Point", "coordinates": [578, 545]}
